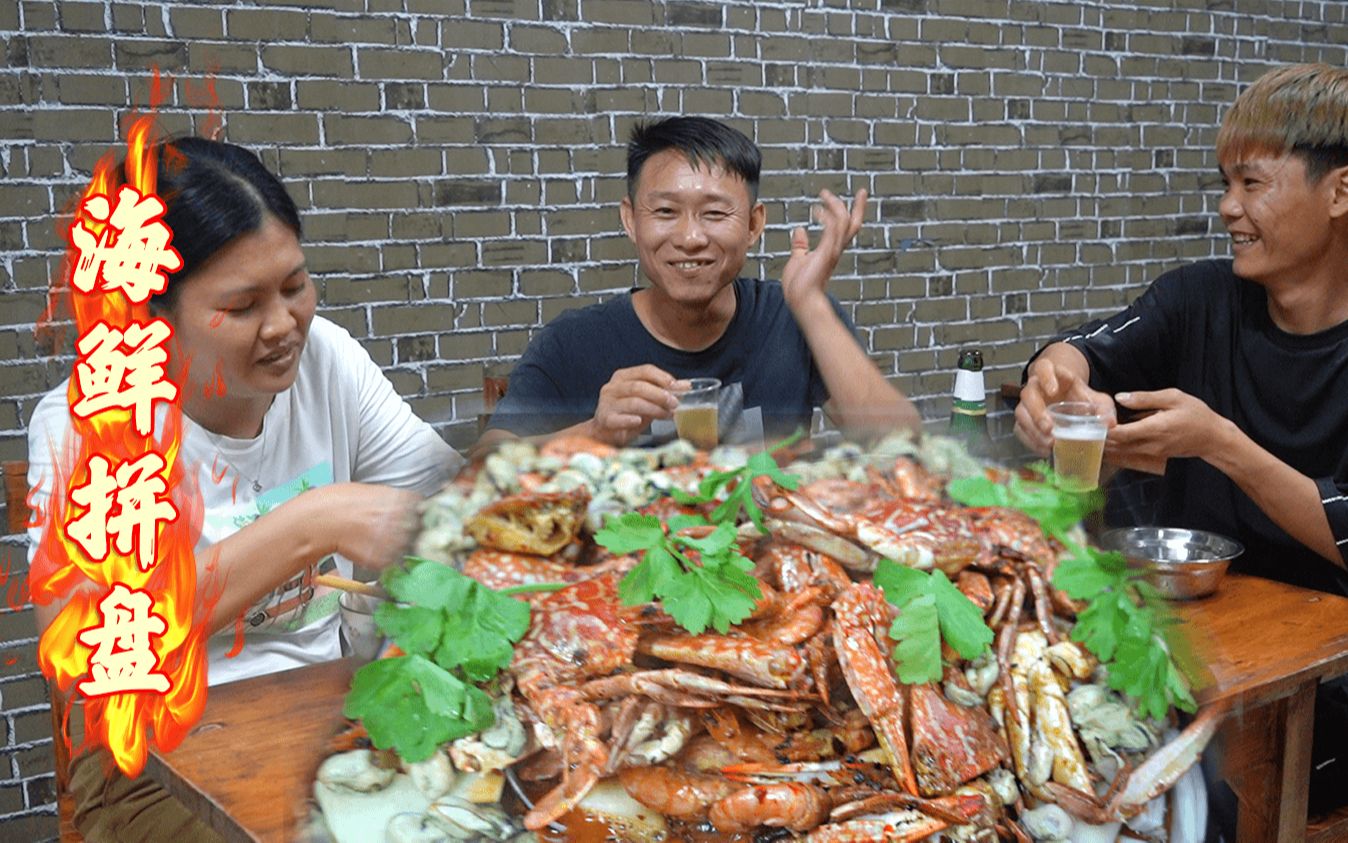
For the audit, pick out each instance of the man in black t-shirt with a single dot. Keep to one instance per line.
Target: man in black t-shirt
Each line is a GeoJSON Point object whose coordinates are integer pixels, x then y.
{"type": "Point", "coordinates": [1237, 370]}
{"type": "Point", "coordinates": [613, 370]}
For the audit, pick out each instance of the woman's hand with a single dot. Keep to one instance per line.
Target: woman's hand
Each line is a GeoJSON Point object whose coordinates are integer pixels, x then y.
{"type": "Point", "coordinates": [371, 525]}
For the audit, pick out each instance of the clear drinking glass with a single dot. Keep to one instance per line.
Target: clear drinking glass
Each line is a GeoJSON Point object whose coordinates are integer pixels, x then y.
{"type": "Point", "coordinates": [1078, 444]}
{"type": "Point", "coordinates": [360, 636]}
{"type": "Point", "coordinates": [695, 418]}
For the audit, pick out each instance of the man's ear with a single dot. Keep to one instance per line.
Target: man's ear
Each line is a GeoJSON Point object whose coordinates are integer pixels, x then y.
{"type": "Point", "coordinates": [625, 212]}
{"type": "Point", "coordinates": [1338, 202]}
{"type": "Point", "coordinates": [758, 220]}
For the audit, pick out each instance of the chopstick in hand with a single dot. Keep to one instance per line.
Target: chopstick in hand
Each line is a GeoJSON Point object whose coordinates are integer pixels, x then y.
{"type": "Point", "coordinates": [344, 584]}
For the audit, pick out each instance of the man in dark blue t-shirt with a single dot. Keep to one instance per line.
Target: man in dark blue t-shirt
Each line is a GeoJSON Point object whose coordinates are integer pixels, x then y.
{"type": "Point", "coordinates": [614, 370]}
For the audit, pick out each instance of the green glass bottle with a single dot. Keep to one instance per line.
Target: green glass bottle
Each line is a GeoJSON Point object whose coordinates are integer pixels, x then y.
{"type": "Point", "coordinates": [969, 413]}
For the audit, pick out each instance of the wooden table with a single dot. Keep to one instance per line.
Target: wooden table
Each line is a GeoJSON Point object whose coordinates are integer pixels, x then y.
{"type": "Point", "coordinates": [1266, 646]}
{"type": "Point", "coordinates": [248, 767]}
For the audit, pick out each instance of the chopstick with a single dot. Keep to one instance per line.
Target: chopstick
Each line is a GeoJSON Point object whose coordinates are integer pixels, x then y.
{"type": "Point", "coordinates": [344, 584]}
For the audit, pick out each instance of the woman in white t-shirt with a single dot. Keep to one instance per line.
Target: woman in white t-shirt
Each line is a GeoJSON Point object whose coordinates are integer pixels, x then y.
{"type": "Point", "coordinates": [305, 456]}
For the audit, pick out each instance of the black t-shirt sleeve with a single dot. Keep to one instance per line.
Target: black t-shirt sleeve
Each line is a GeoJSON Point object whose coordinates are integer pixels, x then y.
{"type": "Point", "coordinates": [1334, 498]}
{"type": "Point", "coordinates": [1137, 348]}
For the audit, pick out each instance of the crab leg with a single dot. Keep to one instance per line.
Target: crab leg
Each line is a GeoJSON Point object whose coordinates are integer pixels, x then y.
{"type": "Point", "coordinates": [764, 663]}
{"type": "Point", "coordinates": [1006, 643]}
{"type": "Point", "coordinates": [860, 621]}
{"type": "Point", "coordinates": [1043, 606]}
{"type": "Point", "coordinates": [849, 555]}
{"type": "Point", "coordinates": [955, 810]}
{"type": "Point", "coordinates": [891, 827]}
{"type": "Point", "coordinates": [816, 772]}
{"type": "Point", "coordinates": [1167, 764]}
{"type": "Point", "coordinates": [584, 758]}
{"type": "Point", "coordinates": [679, 687]}
{"type": "Point", "coordinates": [1001, 603]}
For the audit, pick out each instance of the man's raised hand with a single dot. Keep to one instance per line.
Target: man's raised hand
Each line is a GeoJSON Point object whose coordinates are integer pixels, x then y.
{"type": "Point", "coordinates": [807, 271]}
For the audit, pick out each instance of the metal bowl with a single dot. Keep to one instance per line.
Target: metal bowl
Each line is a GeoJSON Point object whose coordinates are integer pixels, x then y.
{"type": "Point", "coordinates": [1181, 564]}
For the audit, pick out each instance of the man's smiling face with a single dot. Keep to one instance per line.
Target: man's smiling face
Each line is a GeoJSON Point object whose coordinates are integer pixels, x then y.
{"type": "Point", "coordinates": [1280, 222]}
{"type": "Point", "coordinates": [692, 226]}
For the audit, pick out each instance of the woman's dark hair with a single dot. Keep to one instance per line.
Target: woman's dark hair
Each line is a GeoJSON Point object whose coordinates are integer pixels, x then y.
{"type": "Point", "coordinates": [215, 192]}
{"type": "Point", "coordinates": [702, 141]}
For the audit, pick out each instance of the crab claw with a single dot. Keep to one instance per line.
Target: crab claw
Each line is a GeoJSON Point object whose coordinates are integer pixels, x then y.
{"type": "Point", "coordinates": [1152, 778]}
{"type": "Point", "coordinates": [1165, 766]}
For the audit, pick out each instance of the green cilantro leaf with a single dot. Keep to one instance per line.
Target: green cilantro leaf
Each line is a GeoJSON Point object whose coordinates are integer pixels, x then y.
{"type": "Point", "coordinates": [719, 541]}
{"type": "Point", "coordinates": [732, 592]}
{"type": "Point", "coordinates": [683, 522]}
{"type": "Point", "coordinates": [451, 618]}
{"type": "Point", "coordinates": [899, 582]}
{"type": "Point", "coordinates": [762, 464]}
{"type": "Point", "coordinates": [1057, 510]}
{"type": "Point", "coordinates": [687, 602]}
{"type": "Point", "coordinates": [657, 568]}
{"type": "Point", "coordinates": [951, 615]}
{"type": "Point", "coordinates": [413, 705]}
{"type": "Point", "coordinates": [961, 621]}
{"type": "Point", "coordinates": [630, 532]}
{"type": "Point", "coordinates": [415, 628]}
{"type": "Point", "coordinates": [1087, 572]}
{"type": "Point", "coordinates": [454, 632]}
{"type": "Point", "coordinates": [737, 486]}
{"type": "Point", "coordinates": [481, 637]}
{"type": "Point", "coordinates": [917, 656]}
{"type": "Point", "coordinates": [712, 590]}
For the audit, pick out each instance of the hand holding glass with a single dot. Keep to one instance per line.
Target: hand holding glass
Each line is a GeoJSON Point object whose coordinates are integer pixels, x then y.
{"type": "Point", "coordinates": [696, 418]}
{"type": "Point", "coordinates": [1078, 444]}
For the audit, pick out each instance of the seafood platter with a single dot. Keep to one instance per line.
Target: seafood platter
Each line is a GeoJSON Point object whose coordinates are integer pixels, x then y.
{"type": "Point", "coordinates": [670, 644]}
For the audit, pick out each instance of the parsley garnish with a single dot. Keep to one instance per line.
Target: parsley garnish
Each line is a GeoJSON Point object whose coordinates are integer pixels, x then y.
{"type": "Point", "coordinates": [716, 590]}
{"type": "Point", "coordinates": [1057, 510]}
{"type": "Point", "coordinates": [1126, 627]}
{"type": "Point", "coordinates": [930, 608]}
{"type": "Point", "coordinates": [1123, 624]}
{"type": "Point", "coordinates": [738, 485]}
{"type": "Point", "coordinates": [455, 632]}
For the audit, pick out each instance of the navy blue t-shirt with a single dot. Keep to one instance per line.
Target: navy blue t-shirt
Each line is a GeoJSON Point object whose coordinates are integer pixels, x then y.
{"type": "Point", "coordinates": [1207, 332]}
{"type": "Point", "coordinates": [762, 357]}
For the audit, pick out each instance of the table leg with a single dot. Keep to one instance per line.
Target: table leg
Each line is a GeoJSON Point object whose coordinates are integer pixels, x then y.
{"type": "Point", "coordinates": [1267, 762]}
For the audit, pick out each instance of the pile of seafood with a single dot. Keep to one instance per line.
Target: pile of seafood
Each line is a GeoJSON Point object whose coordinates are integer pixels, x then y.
{"type": "Point", "coordinates": [793, 724]}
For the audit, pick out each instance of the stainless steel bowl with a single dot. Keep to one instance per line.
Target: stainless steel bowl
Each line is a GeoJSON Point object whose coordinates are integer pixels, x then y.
{"type": "Point", "coordinates": [1181, 564]}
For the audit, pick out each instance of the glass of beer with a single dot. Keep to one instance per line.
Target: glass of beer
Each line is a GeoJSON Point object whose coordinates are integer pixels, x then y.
{"type": "Point", "coordinates": [1078, 444]}
{"type": "Point", "coordinates": [695, 418]}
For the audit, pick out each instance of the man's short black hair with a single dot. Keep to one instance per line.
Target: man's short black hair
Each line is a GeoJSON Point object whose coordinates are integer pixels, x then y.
{"type": "Point", "coordinates": [703, 141]}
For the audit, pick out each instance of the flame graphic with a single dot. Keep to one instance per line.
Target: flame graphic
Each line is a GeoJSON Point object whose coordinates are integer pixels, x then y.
{"type": "Point", "coordinates": [16, 589]}
{"type": "Point", "coordinates": [125, 722]}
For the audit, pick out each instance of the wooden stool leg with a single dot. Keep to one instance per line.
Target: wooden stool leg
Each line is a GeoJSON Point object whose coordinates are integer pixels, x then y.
{"type": "Point", "coordinates": [65, 800]}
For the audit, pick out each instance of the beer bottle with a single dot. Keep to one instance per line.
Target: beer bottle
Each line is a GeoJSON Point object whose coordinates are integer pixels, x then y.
{"type": "Point", "coordinates": [969, 414]}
